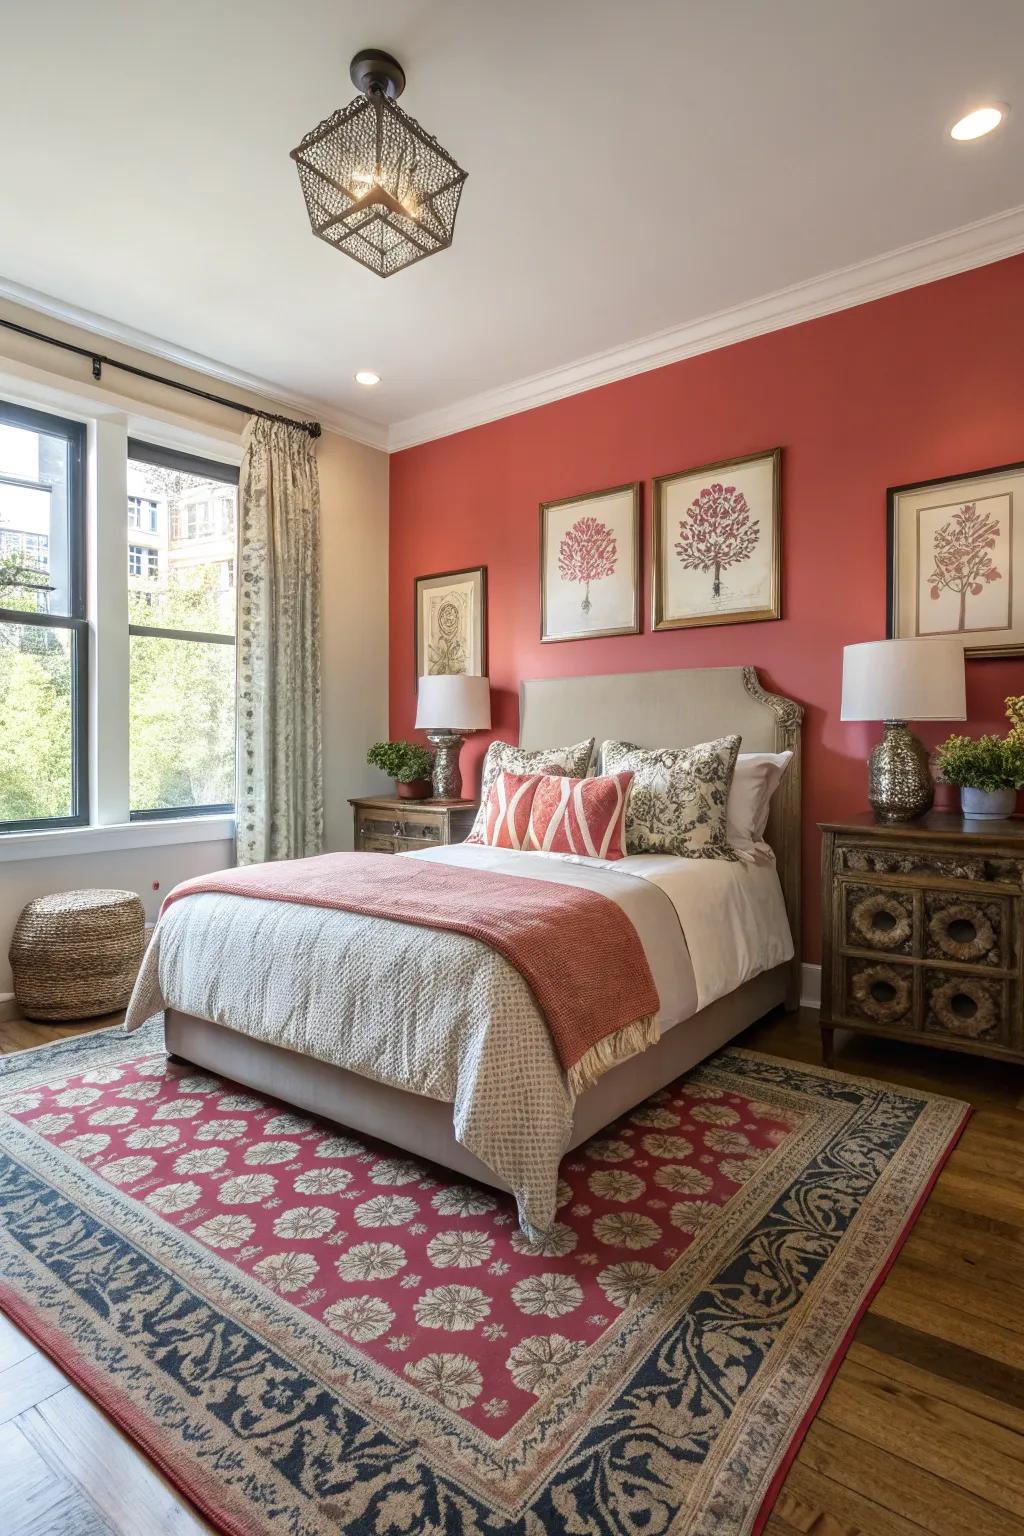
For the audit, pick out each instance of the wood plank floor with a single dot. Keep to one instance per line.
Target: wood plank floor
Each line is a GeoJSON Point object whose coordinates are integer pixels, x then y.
{"type": "Point", "coordinates": [922, 1430]}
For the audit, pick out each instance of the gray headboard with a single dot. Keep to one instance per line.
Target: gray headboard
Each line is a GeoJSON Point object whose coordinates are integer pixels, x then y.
{"type": "Point", "coordinates": [676, 709]}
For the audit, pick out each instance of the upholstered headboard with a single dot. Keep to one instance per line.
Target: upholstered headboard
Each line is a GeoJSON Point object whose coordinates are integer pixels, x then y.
{"type": "Point", "coordinates": [677, 709]}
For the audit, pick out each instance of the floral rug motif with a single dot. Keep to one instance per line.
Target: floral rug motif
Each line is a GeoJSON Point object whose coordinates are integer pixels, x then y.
{"type": "Point", "coordinates": [312, 1333]}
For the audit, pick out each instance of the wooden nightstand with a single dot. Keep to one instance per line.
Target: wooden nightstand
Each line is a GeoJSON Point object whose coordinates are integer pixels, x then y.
{"type": "Point", "coordinates": [923, 932]}
{"type": "Point", "coordinates": [386, 824]}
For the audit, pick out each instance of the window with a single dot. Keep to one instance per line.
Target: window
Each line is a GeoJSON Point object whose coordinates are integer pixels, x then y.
{"type": "Point", "coordinates": [182, 639]}
{"type": "Point", "coordinates": [142, 513]}
{"type": "Point", "coordinates": [143, 561]}
{"type": "Point", "coordinates": [43, 633]}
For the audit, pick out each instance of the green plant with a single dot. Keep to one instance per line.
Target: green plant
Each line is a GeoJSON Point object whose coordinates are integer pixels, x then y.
{"type": "Point", "coordinates": [987, 762]}
{"type": "Point", "coordinates": [402, 761]}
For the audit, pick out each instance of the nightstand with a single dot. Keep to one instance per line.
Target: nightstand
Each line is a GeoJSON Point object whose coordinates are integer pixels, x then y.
{"type": "Point", "coordinates": [923, 932]}
{"type": "Point", "coordinates": [386, 824]}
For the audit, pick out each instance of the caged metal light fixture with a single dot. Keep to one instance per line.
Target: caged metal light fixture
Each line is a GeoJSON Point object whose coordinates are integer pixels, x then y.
{"type": "Point", "coordinates": [376, 185]}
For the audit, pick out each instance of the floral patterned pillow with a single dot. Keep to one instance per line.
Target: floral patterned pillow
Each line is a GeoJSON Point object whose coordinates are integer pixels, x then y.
{"type": "Point", "coordinates": [678, 799]}
{"type": "Point", "coordinates": [502, 757]}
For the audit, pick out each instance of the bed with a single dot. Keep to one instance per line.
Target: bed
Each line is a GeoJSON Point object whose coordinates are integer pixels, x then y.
{"type": "Point", "coordinates": [755, 912]}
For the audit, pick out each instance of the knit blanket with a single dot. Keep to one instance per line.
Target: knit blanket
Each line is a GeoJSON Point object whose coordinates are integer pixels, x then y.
{"type": "Point", "coordinates": [577, 950]}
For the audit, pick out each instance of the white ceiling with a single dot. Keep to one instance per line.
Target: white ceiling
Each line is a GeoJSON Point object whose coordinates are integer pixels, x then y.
{"type": "Point", "coordinates": [634, 166]}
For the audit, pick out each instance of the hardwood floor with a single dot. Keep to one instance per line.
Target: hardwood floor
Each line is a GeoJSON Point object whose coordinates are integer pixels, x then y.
{"type": "Point", "coordinates": [922, 1430]}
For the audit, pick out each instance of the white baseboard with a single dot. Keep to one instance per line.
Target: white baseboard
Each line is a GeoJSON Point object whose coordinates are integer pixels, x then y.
{"type": "Point", "coordinates": [810, 986]}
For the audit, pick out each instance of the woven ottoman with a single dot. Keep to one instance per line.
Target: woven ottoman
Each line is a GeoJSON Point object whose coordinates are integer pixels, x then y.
{"type": "Point", "coordinates": [77, 954]}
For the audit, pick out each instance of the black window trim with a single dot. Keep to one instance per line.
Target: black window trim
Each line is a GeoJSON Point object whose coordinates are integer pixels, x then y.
{"type": "Point", "coordinates": [207, 469]}
{"type": "Point", "coordinates": [77, 622]}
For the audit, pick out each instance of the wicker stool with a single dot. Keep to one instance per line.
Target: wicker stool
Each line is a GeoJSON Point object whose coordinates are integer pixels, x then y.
{"type": "Point", "coordinates": [77, 954]}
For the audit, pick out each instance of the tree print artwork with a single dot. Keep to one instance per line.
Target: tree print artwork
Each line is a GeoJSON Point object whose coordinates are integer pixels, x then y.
{"type": "Point", "coordinates": [717, 532]}
{"type": "Point", "coordinates": [962, 552]}
{"type": "Point", "coordinates": [587, 553]}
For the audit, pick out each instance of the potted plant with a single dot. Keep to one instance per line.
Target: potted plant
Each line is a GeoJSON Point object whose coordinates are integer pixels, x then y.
{"type": "Point", "coordinates": [989, 770]}
{"type": "Point", "coordinates": [405, 762]}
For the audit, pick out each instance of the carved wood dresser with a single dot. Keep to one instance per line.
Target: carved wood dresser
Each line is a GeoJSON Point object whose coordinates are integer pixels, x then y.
{"type": "Point", "coordinates": [387, 824]}
{"type": "Point", "coordinates": [923, 932]}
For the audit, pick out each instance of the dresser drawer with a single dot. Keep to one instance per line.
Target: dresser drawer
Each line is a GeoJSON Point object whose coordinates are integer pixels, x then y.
{"type": "Point", "coordinates": [370, 843]}
{"type": "Point", "coordinates": [966, 1006]}
{"type": "Point", "coordinates": [878, 992]}
{"type": "Point", "coordinates": [426, 830]}
{"type": "Point", "coordinates": [925, 864]}
{"type": "Point", "coordinates": [968, 930]}
{"type": "Point", "coordinates": [878, 917]}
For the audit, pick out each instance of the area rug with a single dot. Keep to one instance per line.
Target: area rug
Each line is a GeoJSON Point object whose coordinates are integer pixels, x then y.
{"type": "Point", "coordinates": [313, 1334]}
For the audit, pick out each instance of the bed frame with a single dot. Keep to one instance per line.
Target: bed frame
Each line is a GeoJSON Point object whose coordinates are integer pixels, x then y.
{"type": "Point", "coordinates": [652, 709]}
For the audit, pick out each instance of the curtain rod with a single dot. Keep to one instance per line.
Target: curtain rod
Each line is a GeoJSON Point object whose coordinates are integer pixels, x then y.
{"type": "Point", "coordinates": [99, 361]}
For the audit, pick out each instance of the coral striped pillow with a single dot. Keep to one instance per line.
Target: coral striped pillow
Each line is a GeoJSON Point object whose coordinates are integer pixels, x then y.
{"type": "Point", "coordinates": [583, 816]}
{"type": "Point", "coordinates": [507, 810]}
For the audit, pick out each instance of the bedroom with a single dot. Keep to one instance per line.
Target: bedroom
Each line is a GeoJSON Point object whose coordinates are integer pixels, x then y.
{"type": "Point", "coordinates": [640, 1150]}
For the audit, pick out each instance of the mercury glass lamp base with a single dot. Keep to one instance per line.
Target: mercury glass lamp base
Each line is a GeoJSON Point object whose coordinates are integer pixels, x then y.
{"type": "Point", "coordinates": [447, 777]}
{"type": "Point", "coordinates": [900, 784]}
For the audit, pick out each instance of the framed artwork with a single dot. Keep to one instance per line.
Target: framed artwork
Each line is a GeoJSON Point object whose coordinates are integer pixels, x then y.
{"type": "Point", "coordinates": [956, 560]}
{"type": "Point", "coordinates": [717, 543]}
{"type": "Point", "coordinates": [451, 623]}
{"type": "Point", "coordinates": [590, 565]}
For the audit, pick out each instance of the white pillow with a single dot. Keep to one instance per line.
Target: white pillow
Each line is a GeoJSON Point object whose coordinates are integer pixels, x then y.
{"type": "Point", "coordinates": [755, 780]}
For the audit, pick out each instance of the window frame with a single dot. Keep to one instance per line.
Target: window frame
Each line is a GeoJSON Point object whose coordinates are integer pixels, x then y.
{"type": "Point", "coordinates": [210, 469]}
{"type": "Point", "coordinates": [76, 621]}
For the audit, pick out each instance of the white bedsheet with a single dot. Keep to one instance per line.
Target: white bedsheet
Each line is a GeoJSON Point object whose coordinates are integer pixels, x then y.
{"type": "Point", "coordinates": [732, 916]}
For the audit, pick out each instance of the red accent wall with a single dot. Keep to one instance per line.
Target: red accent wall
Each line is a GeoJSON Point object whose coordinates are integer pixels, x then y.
{"type": "Point", "coordinates": [924, 383]}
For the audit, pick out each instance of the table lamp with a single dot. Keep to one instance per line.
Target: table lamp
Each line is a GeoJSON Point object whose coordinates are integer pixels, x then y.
{"type": "Point", "coordinates": [895, 681]}
{"type": "Point", "coordinates": [450, 705]}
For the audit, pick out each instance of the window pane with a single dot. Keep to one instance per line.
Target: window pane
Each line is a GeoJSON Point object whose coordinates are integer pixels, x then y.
{"type": "Point", "coordinates": [181, 553]}
{"type": "Point", "coordinates": [182, 723]}
{"type": "Point", "coordinates": [35, 570]}
{"type": "Point", "coordinates": [36, 712]}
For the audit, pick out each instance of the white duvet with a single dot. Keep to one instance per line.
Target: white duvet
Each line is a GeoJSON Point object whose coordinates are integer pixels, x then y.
{"type": "Point", "coordinates": [444, 1016]}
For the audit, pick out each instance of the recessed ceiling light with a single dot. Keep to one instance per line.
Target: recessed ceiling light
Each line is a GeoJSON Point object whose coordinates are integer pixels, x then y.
{"type": "Point", "coordinates": [977, 123]}
{"type": "Point", "coordinates": [367, 377]}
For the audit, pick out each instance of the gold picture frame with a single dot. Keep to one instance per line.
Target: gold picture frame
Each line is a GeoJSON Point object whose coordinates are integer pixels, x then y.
{"type": "Point", "coordinates": [590, 587]}
{"type": "Point", "coordinates": [956, 560]}
{"type": "Point", "coordinates": [753, 513]}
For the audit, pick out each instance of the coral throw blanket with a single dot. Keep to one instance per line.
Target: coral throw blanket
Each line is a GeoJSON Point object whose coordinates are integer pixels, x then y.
{"type": "Point", "coordinates": [578, 952]}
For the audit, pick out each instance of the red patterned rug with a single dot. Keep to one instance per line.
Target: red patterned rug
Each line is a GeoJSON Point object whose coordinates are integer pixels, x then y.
{"type": "Point", "coordinates": [314, 1334]}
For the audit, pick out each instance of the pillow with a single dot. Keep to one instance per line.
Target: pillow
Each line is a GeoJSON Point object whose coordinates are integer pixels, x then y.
{"type": "Point", "coordinates": [507, 810]}
{"type": "Point", "coordinates": [678, 799]}
{"type": "Point", "coordinates": [504, 758]}
{"type": "Point", "coordinates": [583, 816]}
{"type": "Point", "coordinates": [551, 813]}
{"type": "Point", "coordinates": [757, 777]}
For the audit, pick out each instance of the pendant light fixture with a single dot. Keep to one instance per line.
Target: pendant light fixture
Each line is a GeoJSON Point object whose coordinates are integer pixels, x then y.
{"type": "Point", "coordinates": [376, 185]}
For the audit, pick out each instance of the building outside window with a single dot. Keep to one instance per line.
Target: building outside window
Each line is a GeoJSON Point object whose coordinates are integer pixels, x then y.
{"type": "Point", "coordinates": [182, 639]}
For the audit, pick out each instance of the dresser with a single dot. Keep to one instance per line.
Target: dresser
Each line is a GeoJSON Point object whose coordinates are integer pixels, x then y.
{"type": "Point", "coordinates": [923, 932]}
{"type": "Point", "coordinates": [386, 824]}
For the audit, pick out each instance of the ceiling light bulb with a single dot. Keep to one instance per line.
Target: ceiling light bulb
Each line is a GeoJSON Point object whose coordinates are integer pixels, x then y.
{"type": "Point", "coordinates": [368, 377]}
{"type": "Point", "coordinates": [976, 124]}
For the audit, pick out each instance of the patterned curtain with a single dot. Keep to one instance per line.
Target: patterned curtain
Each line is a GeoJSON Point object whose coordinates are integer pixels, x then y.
{"type": "Point", "coordinates": [280, 812]}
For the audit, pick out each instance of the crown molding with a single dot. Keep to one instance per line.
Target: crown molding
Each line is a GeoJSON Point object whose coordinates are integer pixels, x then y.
{"type": "Point", "coordinates": [925, 261]}
{"type": "Point", "coordinates": [372, 433]}
{"type": "Point", "coordinates": [972, 245]}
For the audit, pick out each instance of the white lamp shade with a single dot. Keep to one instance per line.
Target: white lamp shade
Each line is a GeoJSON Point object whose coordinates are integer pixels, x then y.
{"type": "Point", "coordinates": [454, 702]}
{"type": "Point", "coordinates": [904, 680]}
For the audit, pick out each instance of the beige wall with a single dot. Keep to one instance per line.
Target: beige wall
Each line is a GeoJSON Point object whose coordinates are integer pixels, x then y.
{"type": "Point", "coordinates": [354, 521]}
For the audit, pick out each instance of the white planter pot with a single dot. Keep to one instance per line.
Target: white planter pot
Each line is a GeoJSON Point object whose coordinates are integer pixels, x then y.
{"type": "Point", "coordinates": [988, 804]}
